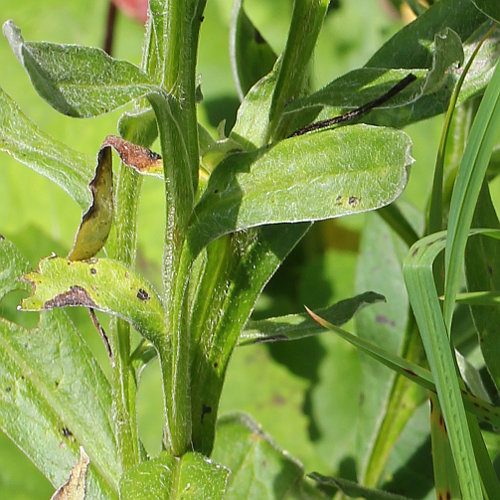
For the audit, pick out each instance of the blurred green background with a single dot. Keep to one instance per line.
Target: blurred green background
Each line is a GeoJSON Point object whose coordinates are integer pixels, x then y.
{"type": "Point", "coordinates": [304, 393]}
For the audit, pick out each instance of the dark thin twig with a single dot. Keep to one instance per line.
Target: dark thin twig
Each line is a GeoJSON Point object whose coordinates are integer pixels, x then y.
{"type": "Point", "coordinates": [110, 28]}
{"type": "Point", "coordinates": [103, 335]}
{"type": "Point", "coordinates": [358, 111]}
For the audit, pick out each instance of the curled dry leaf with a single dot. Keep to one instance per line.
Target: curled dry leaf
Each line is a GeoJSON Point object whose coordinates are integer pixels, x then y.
{"type": "Point", "coordinates": [96, 221]}
{"type": "Point", "coordinates": [75, 486]}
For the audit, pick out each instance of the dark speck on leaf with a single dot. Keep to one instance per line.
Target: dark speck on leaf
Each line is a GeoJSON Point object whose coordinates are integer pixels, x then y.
{"type": "Point", "coordinates": [23, 377]}
{"type": "Point", "coordinates": [66, 432]}
{"type": "Point", "coordinates": [216, 364]}
{"type": "Point", "coordinates": [143, 295]}
{"type": "Point", "coordinates": [8, 389]}
{"type": "Point", "coordinates": [353, 201]}
{"type": "Point", "coordinates": [490, 270]}
{"type": "Point", "coordinates": [2, 237]}
{"type": "Point", "coordinates": [93, 271]}
{"type": "Point", "coordinates": [216, 191]}
{"type": "Point", "coordinates": [414, 252]}
{"type": "Point", "coordinates": [205, 410]}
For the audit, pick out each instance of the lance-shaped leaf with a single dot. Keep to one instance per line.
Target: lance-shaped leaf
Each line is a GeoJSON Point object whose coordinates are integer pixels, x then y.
{"type": "Point", "coordinates": [251, 55]}
{"type": "Point", "coordinates": [23, 140]}
{"type": "Point", "coordinates": [96, 221]}
{"type": "Point", "coordinates": [306, 178]}
{"type": "Point", "coordinates": [193, 476]}
{"type": "Point", "coordinates": [54, 397]}
{"type": "Point", "coordinates": [298, 326]}
{"type": "Point", "coordinates": [102, 284]}
{"type": "Point", "coordinates": [12, 266]}
{"type": "Point", "coordinates": [354, 490]}
{"type": "Point", "coordinates": [483, 409]}
{"type": "Point", "coordinates": [430, 48]}
{"type": "Point", "coordinates": [75, 80]}
{"type": "Point", "coordinates": [260, 470]}
{"type": "Point", "coordinates": [226, 297]}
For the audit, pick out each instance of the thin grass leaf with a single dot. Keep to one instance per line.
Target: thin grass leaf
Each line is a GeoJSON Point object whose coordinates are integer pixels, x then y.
{"type": "Point", "coordinates": [471, 173]}
{"type": "Point", "coordinates": [425, 303]}
{"type": "Point", "coordinates": [421, 376]}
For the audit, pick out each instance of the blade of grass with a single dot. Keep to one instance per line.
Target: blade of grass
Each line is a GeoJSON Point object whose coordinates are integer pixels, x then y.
{"type": "Point", "coordinates": [471, 172]}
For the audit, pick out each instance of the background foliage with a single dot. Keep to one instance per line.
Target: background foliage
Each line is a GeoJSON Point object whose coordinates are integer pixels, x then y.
{"type": "Point", "coordinates": [305, 394]}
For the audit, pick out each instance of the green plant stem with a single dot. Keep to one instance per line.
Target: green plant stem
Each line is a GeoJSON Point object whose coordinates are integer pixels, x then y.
{"type": "Point", "coordinates": [307, 18]}
{"type": "Point", "coordinates": [404, 400]}
{"type": "Point", "coordinates": [178, 131]}
{"type": "Point", "coordinates": [122, 247]}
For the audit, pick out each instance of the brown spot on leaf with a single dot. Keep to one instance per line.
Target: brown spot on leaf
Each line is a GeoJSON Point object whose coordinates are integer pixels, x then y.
{"type": "Point", "coordinates": [143, 295]}
{"type": "Point", "coordinates": [2, 237]}
{"type": "Point", "coordinates": [75, 296]}
{"type": "Point", "coordinates": [410, 372]}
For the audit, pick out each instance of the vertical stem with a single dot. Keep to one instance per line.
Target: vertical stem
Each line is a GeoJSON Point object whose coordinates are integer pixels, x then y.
{"type": "Point", "coordinates": [122, 247]}
{"type": "Point", "coordinates": [179, 21]}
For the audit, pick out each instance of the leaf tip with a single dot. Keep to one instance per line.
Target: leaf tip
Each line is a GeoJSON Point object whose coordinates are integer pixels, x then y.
{"type": "Point", "coordinates": [13, 35]}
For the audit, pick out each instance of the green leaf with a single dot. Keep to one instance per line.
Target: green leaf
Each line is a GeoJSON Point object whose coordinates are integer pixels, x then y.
{"type": "Point", "coordinates": [253, 114]}
{"type": "Point", "coordinates": [259, 469]}
{"type": "Point", "coordinates": [139, 127]}
{"type": "Point", "coordinates": [384, 324]}
{"type": "Point", "coordinates": [251, 55]}
{"type": "Point", "coordinates": [193, 476]}
{"type": "Point", "coordinates": [307, 19]}
{"type": "Point", "coordinates": [409, 47]}
{"type": "Point", "coordinates": [489, 7]}
{"type": "Point", "coordinates": [54, 398]}
{"type": "Point", "coordinates": [101, 284]}
{"type": "Point", "coordinates": [20, 138]}
{"type": "Point", "coordinates": [12, 266]}
{"type": "Point", "coordinates": [471, 173]}
{"type": "Point", "coordinates": [352, 489]}
{"type": "Point", "coordinates": [481, 267]}
{"type": "Point", "coordinates": [298, 326]}
{"type": "Point", "coordinates": [419, 280]}
{"type": "Point", "coordinates": [306, 178]}
{"type": "Point", "coordinates": [75, 80]}
{"type": "Point", "coordinates": [226, 298]}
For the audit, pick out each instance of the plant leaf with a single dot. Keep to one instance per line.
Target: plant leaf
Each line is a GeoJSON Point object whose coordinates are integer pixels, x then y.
{"type": "Point", "coordinates": [193, 476]}
{"type": "Point", "coordinates": [423, 377]}
{"type": "Point", "coordinates": [489, 7]}
{"type": "Point", "coordinates": [20, 138]}
{"type": "Point", "coordinates": [97, 220]}
{"type": "Point", "coordinates": [251, 55]}
{"type": "Point", "coordinates": [12, 266]}
{"type": "Point", "coordinates": [305, 178]}
{"type": "Point", "coordinates": [54, 398]}
{"type": "Point", "coordinates": [78, 81]}
{"type": "Point", "coordinates": [102, 284]}
{"type": "Point", "coordinates": [298, 326]}
{"type": "Point", "coordinates": [225, 300]}
{"type": "Point", "coordinates": [352, 489]}
{"type": "Point", "coordinates": [422, 292]}
{"type": "Point", "coordinates": [260, 470]}
{"type": "Point", "coordinates": [75, 487]}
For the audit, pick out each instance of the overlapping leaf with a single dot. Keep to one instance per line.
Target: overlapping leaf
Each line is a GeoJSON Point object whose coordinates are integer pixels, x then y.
{"type": "Point", "coordinates": [306, 178]}
{"type": "Point", "coordinates": [193, 476]}
{"type": "Point", "coordinates": [101, 284]}
{"type": "Point", "coordinates": [54, 398]}
{"type": "Point", "coordinates": [22, 139]}
{"type": "Point", "coordinates": [78, 81]}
